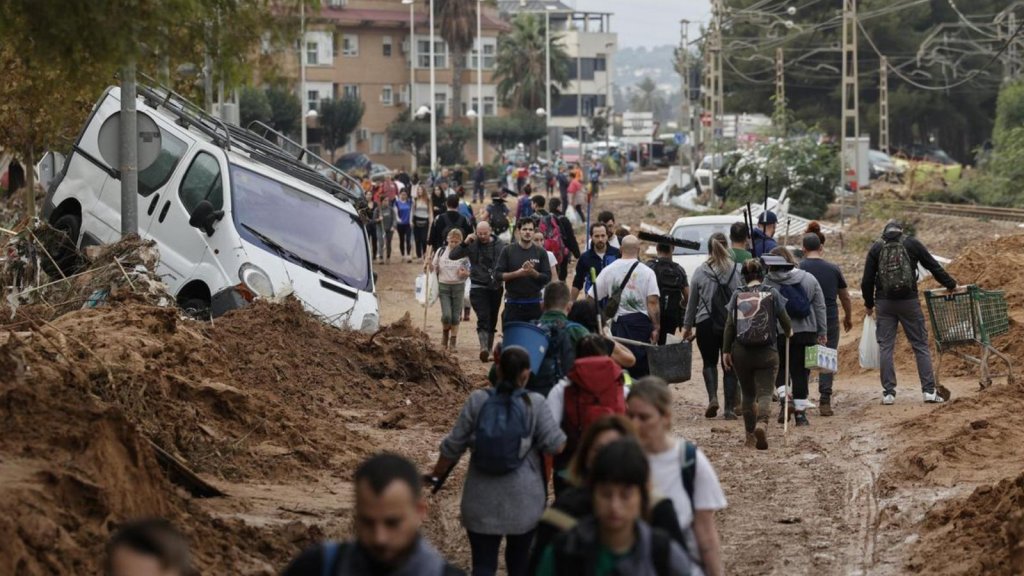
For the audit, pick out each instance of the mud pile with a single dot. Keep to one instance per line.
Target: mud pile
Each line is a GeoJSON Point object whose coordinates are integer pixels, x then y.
{"type": "Point", "coordinates": [265, 394]}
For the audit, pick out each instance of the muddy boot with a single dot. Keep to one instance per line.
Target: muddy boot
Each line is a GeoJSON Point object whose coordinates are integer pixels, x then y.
{"type": "Point", "coordinates": [444, 338]}
{"type": "Point", "coordinates": [761, 435]}
{"type": "Point", "coordinates": [825, 407]}
{"type": "Point", "coordinates": [782, 411]}
{"type": "Point", "coordinates": [454, 337]}
{"type": "Point", "coordinates": [485, 348]}
{"type": "Point", "coordinates": [711, 384]}
{"type": "Point", "coordinates": [751, 442]}
{"type": "Point", "coordinates": [731, 391]}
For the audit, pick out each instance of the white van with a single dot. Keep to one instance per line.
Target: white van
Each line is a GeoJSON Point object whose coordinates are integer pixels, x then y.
{"type": "Point", "coordinates": [235, 216]}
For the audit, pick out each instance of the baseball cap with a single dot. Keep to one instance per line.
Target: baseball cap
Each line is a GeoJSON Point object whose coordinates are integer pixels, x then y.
{"type": "Point", "coordinates": [768, 218]}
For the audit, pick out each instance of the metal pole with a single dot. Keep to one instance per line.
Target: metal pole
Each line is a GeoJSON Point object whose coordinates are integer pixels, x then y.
{"type": "Point", "coordinates": [547, 84]}
{"type": "Point", "coordinates": [412, 75]}
{"type": "Point", "coordinates": [302, 72]}
{"type": "Point", "coordinates": [433, 96]}
{"type": "Point", "coordinates": [479, 84]}
{"type": "Point", "coordinates": [579, 96]}
{"type": "Point", "coordinates": [883, 106]}
{"type": "Point", "coordinates": [129, 153]}
{"type": "Point", "coordinates": [780, 90]}
{"type": "Point", "coordinates": [850, 116]}
{"type": "Point", "coordinates": [686, 113]}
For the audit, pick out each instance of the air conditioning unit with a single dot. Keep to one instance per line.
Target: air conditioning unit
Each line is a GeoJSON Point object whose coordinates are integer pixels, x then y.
{"type": "Point", "coordinates": [362, 134]}
{"type": "Point", "coordinates": [405, 46]}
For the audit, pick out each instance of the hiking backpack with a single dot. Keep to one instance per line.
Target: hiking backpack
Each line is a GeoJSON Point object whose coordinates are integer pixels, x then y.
{"type": "Point", "coordinates": [720, 302]}
{"type": "Point", "coordinates": [558, 357]}
{"type": "Point", "coordinates": [798, 305]}
{"type": "Point", "coordinates": [896, 274]}
{"type": "Point", "coordinates": [595, 391]}
{"type": "Point", "coordinates": [499, 218]}
{"type": "Point", "coordinates": [553, 242]}
{"type": "Point", "coordinates": [671, 282]}
{"type": "Point", "coordinates": [754, 316]}
{"type": "Point", "coordinates": [502, 429]}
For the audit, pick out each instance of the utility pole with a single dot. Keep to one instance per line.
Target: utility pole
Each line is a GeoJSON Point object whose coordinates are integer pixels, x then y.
{"type": "Point", "coordinates": [1012, 54]}
{"type": "Point", "coordinates": [883, 107]}
{"type": "Point", "coordinates": [685, 155]}
{"type": "Point", "coordinates": [303, 97]}
{"type": "Point", "coordinates": [129, 153]}
{"type": "Point", "coordinates": [717, 91]}
{"type": "Point", "coordinates": [851, 109]}
{"type": "Point", "coordinates": [780, 90]}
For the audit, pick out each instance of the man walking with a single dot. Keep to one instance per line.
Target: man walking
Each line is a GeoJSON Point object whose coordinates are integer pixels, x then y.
{"type": "Point", "coordinates": [890, 281]}
{"type": "Point", "coordinates": [673, 290]}
{"type": "Point", "coordinates": [596, 258]}
{"type": "Point", "coordinates": [443, 224]}
{"type": "Point", "coordinates": [739, 234]}
{"type": "Point", "coordinates": [479, 176]}
{"type": "Point", "coordinates": [483, 249]}
{"type": "Point", "coordinates": [639, 312]}
{"type": "Point", "coordinates": [389, 513]}
{"type": "Point", "coordinates": [762, 238]}
{"type": "Point", "coordinates": [525, 270]}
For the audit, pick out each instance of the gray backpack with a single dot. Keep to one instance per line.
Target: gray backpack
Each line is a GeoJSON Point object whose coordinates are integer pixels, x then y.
{"type": "Point", "coordinates": [896, 274]}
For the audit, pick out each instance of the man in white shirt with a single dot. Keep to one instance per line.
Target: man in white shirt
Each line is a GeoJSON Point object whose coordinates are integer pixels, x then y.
{"type": "Point", "coordinates": [639, 313]}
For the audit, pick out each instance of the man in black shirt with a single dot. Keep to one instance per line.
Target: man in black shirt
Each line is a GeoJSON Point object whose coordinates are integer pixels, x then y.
{"type": "Point", "coordinates": [674, 289]}
{"type": "Point", "coordinates": [525, 270]}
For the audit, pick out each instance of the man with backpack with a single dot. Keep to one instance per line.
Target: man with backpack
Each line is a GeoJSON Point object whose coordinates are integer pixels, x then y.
{"type": "Point", "coordinates": [483, 249]}
{"type": "Point", "coordinates": [593, 260]}
{"type": "Point", "coordinates": [634, 303]}
{"type": "Point", "coordinates": [890, 282]}
{"type": "Point", "coordinates": [497, 214]}
{"type": "Point", "coordinates": [556, 240]}
{"type": "Point", "coordinates": [805, 305]}
{"type": "Point", "coordinates": [568, 236]}
{"type": "Point", "coordinates": [525, 270]}
{"type": "Point", "coordinates": [390, 509]}
{"type": "Point", "coordinates": [563, 336]}
{"type": "Point", "coordinates": [444, 223]}
{"type": "Point", "coordinates": [674, 289]}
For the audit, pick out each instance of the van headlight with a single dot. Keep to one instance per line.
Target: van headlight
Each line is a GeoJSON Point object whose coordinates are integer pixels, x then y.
{"type": "Point", "coordinates": [256, 280]}
{"type": "Point", "coordinates": [371, 322]}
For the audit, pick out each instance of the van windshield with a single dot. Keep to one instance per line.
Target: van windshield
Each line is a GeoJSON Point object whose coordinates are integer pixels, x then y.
{"type": "Point", "coordinates": [315, 233]}
{"type": "Point", "coordinates": [698, 233]}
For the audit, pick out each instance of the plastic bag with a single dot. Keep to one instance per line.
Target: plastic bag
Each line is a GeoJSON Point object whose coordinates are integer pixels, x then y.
{"type": "Point", "coordinates": [869, 345]}
{"type": "Point", "coordinates": [465, 295]}
{"type": "Point", "coordinates": [574, 216]}
{"type": "Point", "coordinates": [426, 288]}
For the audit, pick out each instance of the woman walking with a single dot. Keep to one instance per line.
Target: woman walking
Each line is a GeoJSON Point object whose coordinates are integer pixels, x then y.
{"type": "Point", "coordinates": [680, 471]}
{"type": "Point", "coordinates": [502, 499]}
{"type": "Point", "coordinates": [710, 288]}
{"type": "Point", "coordinates": [373, 223]}
{"type": "Point", "coordinates": [451, 280]}
{"type": "Point", "coordinates": [403, 222]}
{"type": "Point", "coordinates": [420, 219]}
{"type": "Point", "coordinates": [616, 540]}
{"type": "Point", "coordinates": [751, 334]}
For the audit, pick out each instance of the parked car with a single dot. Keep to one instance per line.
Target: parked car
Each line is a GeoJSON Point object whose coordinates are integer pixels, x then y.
{"type": "Point", "coordinates": [924, 162]}
{"type": "Point", "coordinates": [234, 216]}
{"type": "Point", "coordinates": [882, 167]}
{"type": "Point", "coordinates": [699, 229]}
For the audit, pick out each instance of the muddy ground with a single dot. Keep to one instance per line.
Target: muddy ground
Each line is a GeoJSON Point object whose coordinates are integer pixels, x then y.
{"type": "Point", "coordinates": [274, 410]}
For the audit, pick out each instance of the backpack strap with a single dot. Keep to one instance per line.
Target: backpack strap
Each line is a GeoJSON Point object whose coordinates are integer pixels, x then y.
{"type": "Point", "coordinates": [661, 552]}
{"type": "Point", "coordinates": [331, 553]}
{"type": "Point", "coordinates": [689, 470]}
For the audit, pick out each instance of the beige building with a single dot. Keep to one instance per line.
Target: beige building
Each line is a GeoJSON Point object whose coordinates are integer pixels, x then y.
{"type": "Point", "coordinates": [363, 48]}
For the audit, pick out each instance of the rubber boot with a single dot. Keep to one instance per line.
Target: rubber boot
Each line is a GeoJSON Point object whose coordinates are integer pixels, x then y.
{"type": "Point", "coordinates": [485, 348]}
{"type": "Point", "coordinates": [444, 338]}
{"type": "Point", "coordinates": [825, 407]}
{"type": "Point", "coordinates": [453, 339]}
{"type": "Point", "coordinates": [731, 389]}
{"type": "Point", "coordinates": [711, 383]}
{"type": "Point", "coordinates": [800, 418]}
{"type": "Point", "coordinates": [761, 436]}
{"type": "Point", "coordinates": [751, 441]}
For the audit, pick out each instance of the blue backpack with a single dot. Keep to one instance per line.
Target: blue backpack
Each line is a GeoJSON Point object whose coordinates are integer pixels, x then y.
{"type": "Point", "coordinates": [798, 306]}
{"type": "Point", "coordinates": [502, 429]}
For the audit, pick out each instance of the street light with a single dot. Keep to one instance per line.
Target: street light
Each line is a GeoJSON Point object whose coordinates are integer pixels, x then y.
{"type": "Point", "coordinates": [312, 114]}
{"type": "Point", "coordinates": [433, 95]}
{"type": "Point", "coordinates": [303, 97]}
{"type": "Point", "coordinates": [542, 112]}
{"type": "Point", "coordinates": [412, 63]}
{"type": "Point", "coordinates": [479, 83]}
{"type": "Point", "coordinates": [423, 111]}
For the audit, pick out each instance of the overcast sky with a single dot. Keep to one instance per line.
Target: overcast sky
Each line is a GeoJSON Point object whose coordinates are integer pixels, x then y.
{"type": "Point", "coordinates": [649, 22]}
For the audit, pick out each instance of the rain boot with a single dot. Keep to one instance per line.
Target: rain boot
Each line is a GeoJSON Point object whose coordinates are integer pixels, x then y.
{"type": "Point", "coordinates": [731, 389]}
{"type": "Point", "coordinates": [485, 346]}
{"type": "Point", "coordinates": [761, 435]}
{"type": "Point", "coordinates": [711, 383]}
{"type": "Point", "coordinates": [444, 338]}
{"type": "Point", "coordinates": [825, 406]}
{"type": "Point", "coordinates": [453, 339]}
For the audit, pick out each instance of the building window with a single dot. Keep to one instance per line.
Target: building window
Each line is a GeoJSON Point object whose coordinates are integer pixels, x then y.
{"type": "Point", "coordinates": [312, 54]}
{"type": "Point", "coordinates": [350, 91]}
{"type": "Point", "coordinates": [350, 45]}
{"type": "Point", "coordinates": [440, 104]}
{"type": "Point", "coordinates": [423, 54]}
{"type": "Point", "coordinates": [490, 108]}
{"type": "Point", "coordinates": [387, 95]}
{"type": "Point", "coordinates": [386, 46]}
{"type": "Point", "coordinates": [490, 50]}
{"type": "Point", "coordinates": [600, 64]}
{"type": "Point", "coordinates": [312, 99]}
{"type": "Point", "coordinates": [378, 143]}
{"type": "Point", "coordinates": [337, 3]}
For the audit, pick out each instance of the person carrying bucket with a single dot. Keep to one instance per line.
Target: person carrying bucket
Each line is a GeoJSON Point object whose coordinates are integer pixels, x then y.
{"type": "Point", "coordinates": [632, 289]}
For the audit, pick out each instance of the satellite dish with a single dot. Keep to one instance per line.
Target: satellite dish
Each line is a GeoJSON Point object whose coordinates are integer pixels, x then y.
{"type": "Point", "coordinates": [150, 140]}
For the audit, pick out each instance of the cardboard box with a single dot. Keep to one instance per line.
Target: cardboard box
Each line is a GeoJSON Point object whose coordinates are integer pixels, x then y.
{"type": "Point", "coordinates": [821, 359]}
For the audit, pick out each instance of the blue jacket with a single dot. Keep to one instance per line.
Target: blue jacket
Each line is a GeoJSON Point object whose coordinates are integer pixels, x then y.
{"type": "Point", "coordinates": [761, 244]}
{"type": "Point", "coordinates": [590, 259]}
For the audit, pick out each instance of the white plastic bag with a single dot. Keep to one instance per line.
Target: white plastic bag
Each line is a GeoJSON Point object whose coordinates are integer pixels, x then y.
{"type": "Point", "coordinates": [574, 217]}
{"type": "Point", "coordinates": [465, 295]}
{"type": "Point", "coordinates": [869, 345]}
{"type": "Point", "coordinates": [426, 289]}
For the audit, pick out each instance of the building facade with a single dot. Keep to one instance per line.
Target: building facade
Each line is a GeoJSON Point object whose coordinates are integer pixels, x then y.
{"type": "Point", "coordinates": [363, 48]}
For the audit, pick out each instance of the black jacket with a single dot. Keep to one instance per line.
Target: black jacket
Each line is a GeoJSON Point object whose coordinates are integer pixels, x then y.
{"type": "Point", "coordinates": [483, 257]}
{"type": "Point", "coordinates": [918, 255]}
{"type": "Point", "coordinates": [445, 222]}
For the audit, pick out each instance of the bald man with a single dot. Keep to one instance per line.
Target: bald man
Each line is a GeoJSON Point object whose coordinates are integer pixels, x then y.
{"type": "Point", "coordinates": [639, 314]}
{"type": "Point", "coordinates": [483, 248]}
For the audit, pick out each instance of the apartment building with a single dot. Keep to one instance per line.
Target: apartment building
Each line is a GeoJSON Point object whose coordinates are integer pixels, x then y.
{"type": "Point", "coordinates": [362, 48]}
{"type": "Point", "coordinates": [591, 45]}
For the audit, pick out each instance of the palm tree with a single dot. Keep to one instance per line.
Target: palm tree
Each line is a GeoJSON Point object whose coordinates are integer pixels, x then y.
{"type": "Point", "coordinates": [646, 99]}
{"type": "Point", "coordinates": [520, 68]}
{"type": "Point", "coordinates": [457, 19]}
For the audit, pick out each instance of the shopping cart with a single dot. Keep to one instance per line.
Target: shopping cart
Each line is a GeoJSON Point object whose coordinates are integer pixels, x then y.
{"type": "Point", "coordinates": [969, 316]}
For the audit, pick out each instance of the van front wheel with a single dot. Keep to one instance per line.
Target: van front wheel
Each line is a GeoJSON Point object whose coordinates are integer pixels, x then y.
{"type": "Point", "coordinates": [64, 246]}
{"type": "Point", "coordinates": [196, 308]}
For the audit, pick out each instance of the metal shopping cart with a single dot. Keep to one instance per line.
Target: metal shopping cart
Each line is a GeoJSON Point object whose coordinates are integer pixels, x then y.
{"type": "Point", "coordinates": [969, 316]}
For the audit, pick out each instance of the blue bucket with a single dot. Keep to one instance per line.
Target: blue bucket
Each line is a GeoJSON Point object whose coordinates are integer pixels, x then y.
{"type": "Point", "coordinates": [530, 337]}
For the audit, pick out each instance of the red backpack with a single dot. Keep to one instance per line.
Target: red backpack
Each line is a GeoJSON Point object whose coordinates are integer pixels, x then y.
{"type": "Point", "coordinates": [595, 390]}
{"type": "Point", "coordinates": [553, 242]}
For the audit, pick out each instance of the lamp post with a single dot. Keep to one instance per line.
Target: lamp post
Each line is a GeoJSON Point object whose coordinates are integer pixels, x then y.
{"type": "Point", "coordinates": [302, 70]}
{"type": "Point", "coordinates": [547, 79]}
{"type": "Point", "coordinates": [433, 96]}
{"type": "Point", "coordinates": [412, 66]}
{"type": "Point", "coordinates": [480, 83]}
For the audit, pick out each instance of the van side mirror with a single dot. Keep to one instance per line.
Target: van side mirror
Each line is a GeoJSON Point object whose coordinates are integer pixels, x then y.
{"type": "Point", "coordinates": [203, 216]}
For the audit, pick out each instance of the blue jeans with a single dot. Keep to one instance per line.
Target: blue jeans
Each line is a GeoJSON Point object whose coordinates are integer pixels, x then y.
{"type": "Point", "coordinates": [451, 296]}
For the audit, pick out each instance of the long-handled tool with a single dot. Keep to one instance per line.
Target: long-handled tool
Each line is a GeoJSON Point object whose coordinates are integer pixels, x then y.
{"type": "Point", "coordinates": [785, 399]}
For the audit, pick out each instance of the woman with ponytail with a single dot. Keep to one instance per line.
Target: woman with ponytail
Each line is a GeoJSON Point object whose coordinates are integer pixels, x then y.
{"type": "Point", "coordinates": [710, 290]}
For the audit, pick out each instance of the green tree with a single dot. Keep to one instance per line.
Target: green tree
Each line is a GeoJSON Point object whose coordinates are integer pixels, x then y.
{"type": "Point", "coordinates": [412, 135]}
{"type": "Point", "coordinates": [520, 66]}
{"type": "Point", "coordinates": [253, 105]}
{"type": "Point", "coordinates": [285, 109]}
{"type": "Point", "coordinates": [809, 172]}
{"type": "Point", "coordinates": [457, 20]}
{"type": "Point", "coordinates": [507, 132]}
{"type": "Point", "coordinates": [646, 98]}
{"type": "Point", "coordinates": [338, 120]}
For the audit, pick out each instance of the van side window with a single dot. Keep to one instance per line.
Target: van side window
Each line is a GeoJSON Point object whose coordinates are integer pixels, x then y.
{"type": "Point", "coordinates": [156, 174]}
{"type": "Point", "coordinates": [202, 182]}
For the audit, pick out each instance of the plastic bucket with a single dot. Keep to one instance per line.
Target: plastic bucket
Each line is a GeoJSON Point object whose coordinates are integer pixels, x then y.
{"type": "Point", "coordinates": [671, 362]}
{"type": "Point", "coordinates": [530, 337]}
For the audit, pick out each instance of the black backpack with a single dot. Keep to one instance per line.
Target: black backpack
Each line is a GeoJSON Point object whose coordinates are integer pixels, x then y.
{"type": "Point", "coordinates": [896, 274]}
{"type": "Point", "coordinates": [671, 282]}
{"type": "Point", "coordinates": [717, 309]}
{"type": "Point", "coordinates": [558, 359]}
{"type": "Point", "coordinates": [499, 218]}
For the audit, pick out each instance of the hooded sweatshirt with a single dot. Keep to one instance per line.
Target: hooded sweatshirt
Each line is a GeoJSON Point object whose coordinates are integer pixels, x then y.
{"type": "Point", "coordinates": [702, 291]}
{"type": "Point", "coordinates": [816, 322]}
{"type": "Point", "coordinates": [919, 255]}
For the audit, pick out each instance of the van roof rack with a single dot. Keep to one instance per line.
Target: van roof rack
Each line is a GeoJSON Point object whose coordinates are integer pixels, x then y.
{"type": "Point", "coordinates": [259, 147]}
